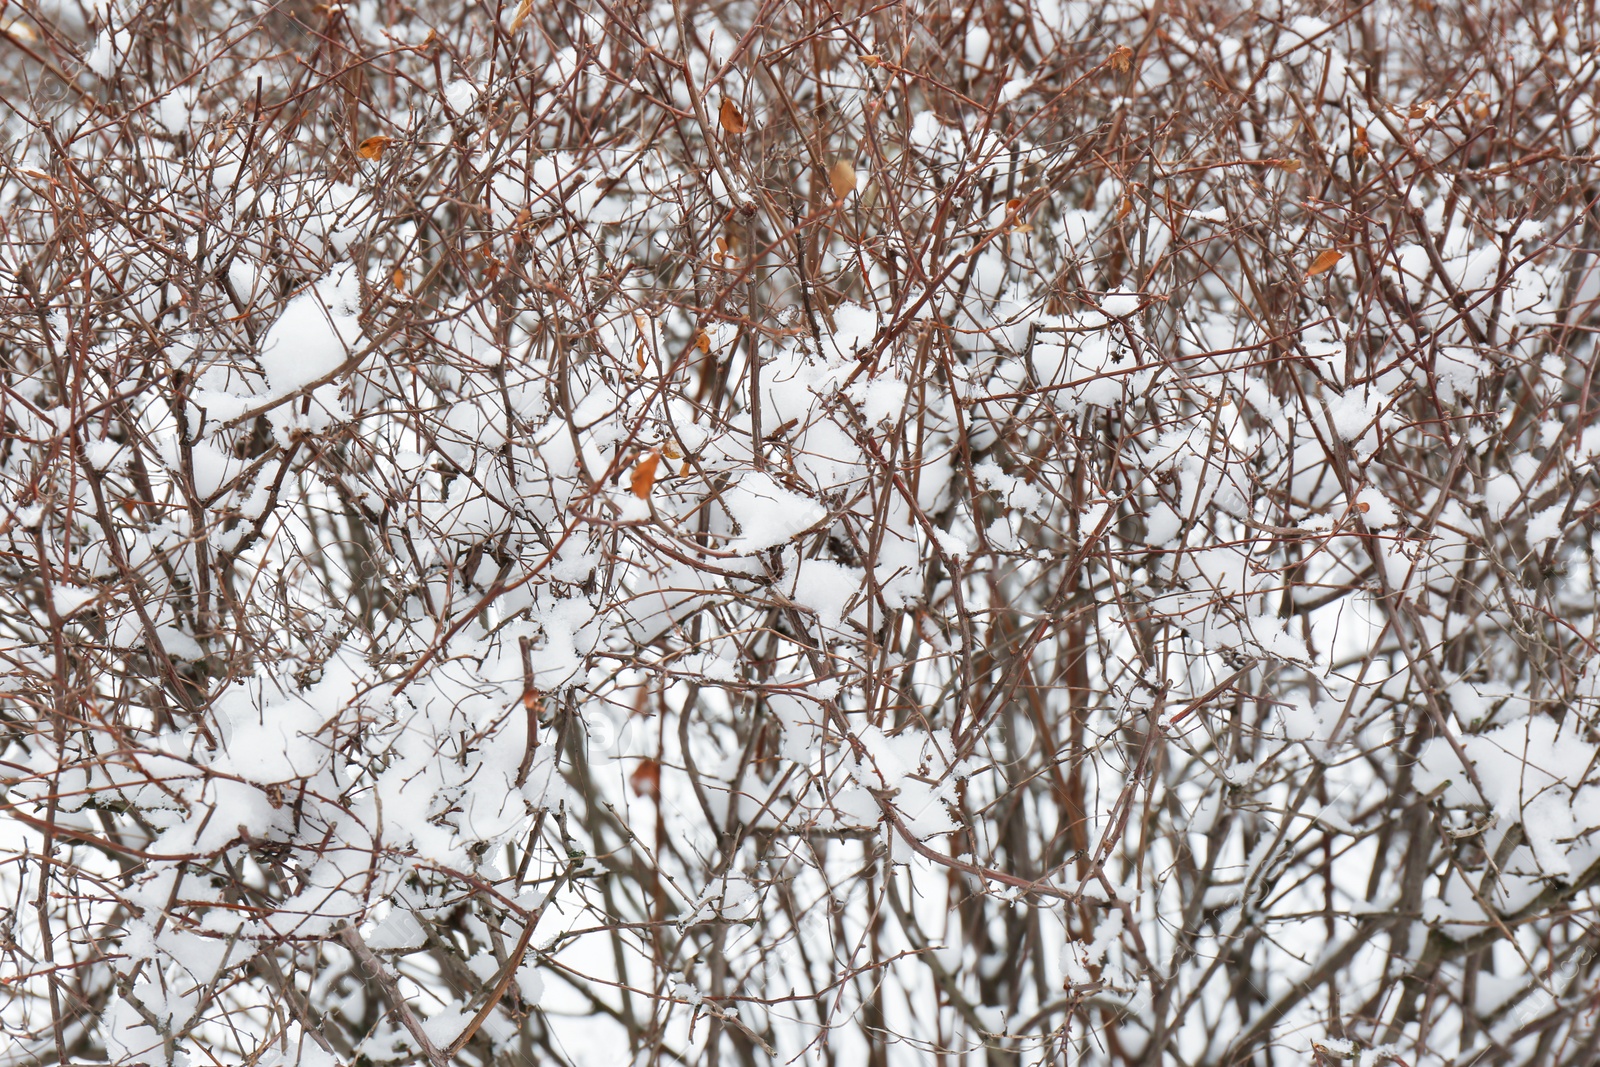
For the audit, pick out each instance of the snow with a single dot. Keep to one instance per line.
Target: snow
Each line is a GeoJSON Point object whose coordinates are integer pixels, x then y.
{"type": "Point", "coordinates": [766, 514]}
{"type": "Point", "coordinates": [68, 601]}
{"type": "Point", "coordinates": [1352, 413]}
{"type": "Point", "coordinates": [110, 50]}
{"type": "Point", "coordinates": [316, 334]}
{"type": "Point", "coordinates": [400, 930]}
{"type": "Point", "coordinates": [1014, 88]}
{"type": "Point", "coordinates": [409, 655]}
{"type": "Point", "coordinates": [950, 544]}
{"type": "Point", "coordinates": [1080, 956]}
{"type": "Point", "coordinates": [1545, 526]}
{"type": "Point", "coordinates": [854, 328]}
{"type": "Point", "coordinates": [445, 1025]}
{"type": "Point", "coordinates": [827, 588]}
{"type": "Point", "coordinates": [1120, 302]}
{"type": "Point", "coordinates": [1375, 509]}
{"type": "Point", "coordinates": [530, 983]}
{"type": "Point", "coordinates": [460, 95]}
{"type": "Point", "coordinates": [103, 455]}
{"type": "Point", "coordinates": [1162, 525]}
{"type": "Point", "coordinates": [1501, 492]}
{"type": "Point", "coordinates": [977, 45]}
{"type": "Point", "coordinates": [1529, 770]}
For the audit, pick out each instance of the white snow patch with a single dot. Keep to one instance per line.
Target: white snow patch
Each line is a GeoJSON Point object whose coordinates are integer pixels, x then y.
{"type": "Point", "coordinates": [1378, 512]}
{"type": "Point", "coordinates": [767, 514]}
{"type": "Point", "coordinates": [1120, 302]}
{"type": "Point", "coordinates": [314, 335]}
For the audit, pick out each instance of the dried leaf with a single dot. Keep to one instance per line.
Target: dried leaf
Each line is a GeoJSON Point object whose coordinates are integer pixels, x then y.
{"type": "Point", "coordinates": [1122, 59]}
{"type": "Point", "coordinates": [643, 478]}
{"type": "Point", "coordinates": [399, 279]}
{"type": "Point", "coordinates": [1290, 165]}
{"type": "Point", "coordinates": [732, 121]}
{"type": "Point", "coordinates": [702, 341]}
{"type": "Point", "coordinates": [646, 779]}
{"type": "Point", "coordinates": [1325, 261]}
{"type": "Point", "coordinates": [1124, 207]}
{"type": "Point", "coordinates": [372, 147]}
{"type": "Point", "coordinates": [523, 9]}
{"type": "Point", "coordinates": [1014, 223]}
{"type": "Point", "coordinates": [20, 30]}
{"type": "Point", "coordinates": [871, 60]}
{"type": "Point", "coordinates": [842, 176]}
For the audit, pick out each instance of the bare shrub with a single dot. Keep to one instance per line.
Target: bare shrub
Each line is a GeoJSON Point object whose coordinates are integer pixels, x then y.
{"type": "Point", "coordinates": [1030, 532]}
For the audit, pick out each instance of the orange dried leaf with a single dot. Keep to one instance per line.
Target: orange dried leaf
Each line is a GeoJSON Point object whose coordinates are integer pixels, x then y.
{"type": "Point", "coordinates": [523, 10]}
{"type": "Point", "coordinates": [1363, 507]}
{"type": "Point", "coordinates": [1014, 223]}
{"type": "Point", "coordinates": [646, 779]}
{"type": "Point", "coordinates": [871, 60]}
{"type": "Point", "coordinates": [732, 121]}
{"type": "Point", "coordinates": [643, 478]}
{"type": "Point", "coordinates": [1326, 260]}
{"type": "Point", "coordinates": [1122, 59]}
{"type": "Point", "coordinates": [1124, 207]}
{"type": "Point", "coordinates": [1290, 165]}
{"type": "Point", "coordinates": [1361, 146]}
{"type": "Point", "coordinates": [399, 279]}
{"type": "Point", "coordinates": [702, 341]}
{"type": "Point", "coordinates": [372, 147]}
{"type": "Point", "coordinates": [842, 177]}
